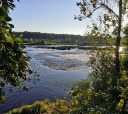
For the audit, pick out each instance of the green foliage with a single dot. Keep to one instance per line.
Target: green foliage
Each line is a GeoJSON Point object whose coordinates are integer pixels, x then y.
{"type": "Point", "coordinates": [40, 107]}
{"type": "Point", "coordinates": [13, 61]}
{"type": "Point", "coordinates": [107, 75]}
{"type": "Point", "coordinates": [81, 87]}
{"type": "Point", "coordinates": [37, 38]}
{"type": "Point", "coordinates": [112, 99]}
{"type": "Point", "coordinates": [108, 87]}
{"type": "Point", "coordinates": [124, 54]}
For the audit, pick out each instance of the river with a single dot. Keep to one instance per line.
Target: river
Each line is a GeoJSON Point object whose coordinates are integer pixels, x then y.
{"type": "Point", "coordinates": [57, 70]}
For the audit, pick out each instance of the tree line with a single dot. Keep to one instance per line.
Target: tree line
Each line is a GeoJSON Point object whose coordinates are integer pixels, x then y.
{"type": "Point", "coordinates": [42, 38]}
{"type": "Point", "coordinates": [51, 38]}
{"type": "Point", "coordinates": [39, 35]}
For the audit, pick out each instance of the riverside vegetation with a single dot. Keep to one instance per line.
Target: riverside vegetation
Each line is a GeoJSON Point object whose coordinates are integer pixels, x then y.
{"type": "Point", "coordinates": [106, 89]}
{"type": "Point", "coordinates": [13, 61]}
{"type": "Point", "coordinates": [37, 38]}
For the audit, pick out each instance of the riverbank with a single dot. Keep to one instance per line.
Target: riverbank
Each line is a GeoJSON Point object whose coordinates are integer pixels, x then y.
{"type": "Point", "coordinates": [69, 47]}
{"type": "Point", "coordinates": [28, 98]}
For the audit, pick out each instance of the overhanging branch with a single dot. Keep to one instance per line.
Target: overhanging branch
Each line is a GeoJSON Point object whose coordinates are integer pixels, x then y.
{"type": "Point", "coordinates": [109, 9]}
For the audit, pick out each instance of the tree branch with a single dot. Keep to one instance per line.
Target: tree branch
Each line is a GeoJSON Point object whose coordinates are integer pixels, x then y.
{"type": "Point", "coordinates": [109, 9]}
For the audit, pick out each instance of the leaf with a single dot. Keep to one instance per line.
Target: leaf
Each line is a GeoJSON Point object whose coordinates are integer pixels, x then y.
{"type": "Point", "coordinates": [21, 35]}
{"type": "Point", "coordinates": [18, 40]}
{"type": "Point", "coordinates": [20, 83]}
{"type": "Point", "coordinates": [11, 25]}
{"type": "Point", "coordinates": [3, 11]}
{"type": "Point", "coordinates": [38, 79]}
{"type": "Point", "coordinates": [0, 5]}
{"type": "Point", "coordinates": [5, 98]}
{"type": "Point", "coordinates": [8, 18]}
{"type": "Point", "coordinates": [2, 84]}
{"type": "Point", "coordinates": [37, 75]}
{"type": "Point", "coordinates": [30, 71]}
{"type": "Point", "coordinates": [2, 101]}
{"type": "Point", "coordinates": [24, 88]}
{"type": "Point", "coordinates": [1, 18]}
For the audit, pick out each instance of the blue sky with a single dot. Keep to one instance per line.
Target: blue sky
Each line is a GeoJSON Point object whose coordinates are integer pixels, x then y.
{"type": "Point", "coordinates": [48, 16]}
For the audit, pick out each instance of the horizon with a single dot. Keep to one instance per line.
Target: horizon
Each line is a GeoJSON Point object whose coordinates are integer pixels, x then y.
{"type": "Point", "coordinates": [51, 17]}
{"type": "Point", "coordinates": [48, 17]}
{"type": "Point", "coordinates": [49, 33]}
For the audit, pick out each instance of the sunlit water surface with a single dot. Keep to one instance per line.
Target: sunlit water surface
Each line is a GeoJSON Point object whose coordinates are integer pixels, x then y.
{"type": "Point", "coordinates": [58, 70]}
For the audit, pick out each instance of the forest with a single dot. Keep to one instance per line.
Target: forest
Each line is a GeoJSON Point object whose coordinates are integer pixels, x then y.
{"type": "Point", "coordinates": [38, 38]}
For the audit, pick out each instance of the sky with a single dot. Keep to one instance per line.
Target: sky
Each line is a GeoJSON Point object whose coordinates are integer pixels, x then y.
{"type": "Point", "coordinates": [48, 16]}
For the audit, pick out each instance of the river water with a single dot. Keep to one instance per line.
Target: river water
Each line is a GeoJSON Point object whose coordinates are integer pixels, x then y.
{"type": "Point", "coordinates": [57, 70]}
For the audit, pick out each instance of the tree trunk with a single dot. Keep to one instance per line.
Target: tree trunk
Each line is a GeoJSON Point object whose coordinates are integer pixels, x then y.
{"type": "Point", "coordinates": [118, 37]}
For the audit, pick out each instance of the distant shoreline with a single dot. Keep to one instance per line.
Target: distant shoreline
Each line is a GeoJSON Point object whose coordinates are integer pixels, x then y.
{"type": "Point", "coordinates": [69, 47]}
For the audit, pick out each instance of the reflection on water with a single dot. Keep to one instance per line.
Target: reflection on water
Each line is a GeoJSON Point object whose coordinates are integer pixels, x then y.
{"type": "Point", "coordinates": [57, 69]}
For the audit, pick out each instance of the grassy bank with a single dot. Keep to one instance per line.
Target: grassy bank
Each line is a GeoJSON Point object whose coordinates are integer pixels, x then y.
{"type": "Point", "coordinates": [59, 107]}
